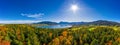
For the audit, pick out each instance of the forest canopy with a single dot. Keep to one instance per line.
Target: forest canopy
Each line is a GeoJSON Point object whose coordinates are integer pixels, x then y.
{"type": "Point", "coordinates": [23, 34]}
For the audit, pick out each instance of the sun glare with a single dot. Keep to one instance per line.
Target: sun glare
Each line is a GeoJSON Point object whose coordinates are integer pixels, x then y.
{"type": "Point", "coordinates": [74, 8]}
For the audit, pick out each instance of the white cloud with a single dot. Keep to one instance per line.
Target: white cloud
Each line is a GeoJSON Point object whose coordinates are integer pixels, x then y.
{"type": "Point", "coordinates": [18, 21]}
{"type": "Point", "coordinates": [36, 15]}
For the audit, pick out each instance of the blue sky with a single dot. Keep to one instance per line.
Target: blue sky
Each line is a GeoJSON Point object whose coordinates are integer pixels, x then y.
{"type": "Point", "coordinates": [28, 11]}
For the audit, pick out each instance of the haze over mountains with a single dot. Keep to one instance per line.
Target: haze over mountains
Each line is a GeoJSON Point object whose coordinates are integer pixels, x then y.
{"type": "Point", "coordinates": [99, 22]}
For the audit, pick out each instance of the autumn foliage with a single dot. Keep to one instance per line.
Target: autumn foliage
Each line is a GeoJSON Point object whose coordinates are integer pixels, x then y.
{"type": "Point", "coordinates": [25, 34]}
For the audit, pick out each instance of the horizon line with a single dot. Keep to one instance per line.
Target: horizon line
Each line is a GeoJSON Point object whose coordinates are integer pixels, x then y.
{"type": "Point", "coordinates": [36, 21]}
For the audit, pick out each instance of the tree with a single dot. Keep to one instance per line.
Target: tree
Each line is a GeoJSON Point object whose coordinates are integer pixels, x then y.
{"type": "Point", "coordinates": [94, 42]}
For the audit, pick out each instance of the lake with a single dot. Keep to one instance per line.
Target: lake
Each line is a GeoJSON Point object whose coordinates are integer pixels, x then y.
{"type": "Point", "coordinates": [56, 26]}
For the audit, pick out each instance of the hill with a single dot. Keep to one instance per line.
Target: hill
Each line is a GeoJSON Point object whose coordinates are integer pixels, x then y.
{"type": "Point", "coordinates": [103, 22]}
{"type": "Point", "coordinates": [47, 22]}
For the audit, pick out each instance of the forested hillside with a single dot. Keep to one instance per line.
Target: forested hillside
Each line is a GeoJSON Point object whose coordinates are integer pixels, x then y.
{"type": "Point", "coordinates": [23, 34]}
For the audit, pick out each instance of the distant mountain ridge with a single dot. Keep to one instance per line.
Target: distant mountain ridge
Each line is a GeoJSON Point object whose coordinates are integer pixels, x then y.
{"type": "Point", "coordinates": [98, 22]}
{"type": "Point", "coordinates": [47, 22]}
{"type": "Point", "coordinates": [103, 22]}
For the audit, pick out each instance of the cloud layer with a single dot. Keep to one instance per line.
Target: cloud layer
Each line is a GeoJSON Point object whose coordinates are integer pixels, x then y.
{"type": "Point", "coordinates": [36, 15]}
{"type": "Point", "coordinates": [18, 21]}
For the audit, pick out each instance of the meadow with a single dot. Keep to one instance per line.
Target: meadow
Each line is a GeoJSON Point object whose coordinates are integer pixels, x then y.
{"type": "Point", "coordinates": [25, 34]}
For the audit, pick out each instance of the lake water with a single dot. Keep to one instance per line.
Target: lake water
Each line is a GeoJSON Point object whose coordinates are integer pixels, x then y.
{"type": "Point", "coordinates": [55, 26]}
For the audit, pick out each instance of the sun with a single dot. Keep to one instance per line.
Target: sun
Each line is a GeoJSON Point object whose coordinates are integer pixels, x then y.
{"type": "Point", "coordinates": [74, 7]}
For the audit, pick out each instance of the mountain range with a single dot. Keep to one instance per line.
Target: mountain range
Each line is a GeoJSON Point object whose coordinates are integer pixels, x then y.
{"type": "Point", "coordinates": [98, 22]}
